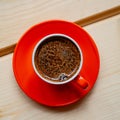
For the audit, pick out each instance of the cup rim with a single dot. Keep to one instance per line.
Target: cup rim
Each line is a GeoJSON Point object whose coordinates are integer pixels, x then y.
{"type": "Point", "coordinates": [52, 82]}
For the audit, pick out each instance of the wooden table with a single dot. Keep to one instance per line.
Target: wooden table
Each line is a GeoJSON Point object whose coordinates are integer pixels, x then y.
{"type": "Point", "coordinates": [102, 103]}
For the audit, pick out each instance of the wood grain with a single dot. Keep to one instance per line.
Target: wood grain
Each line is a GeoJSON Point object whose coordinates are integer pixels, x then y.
{"type": "Point", "coordinates": [102, 103]}
{"type": "Point", "coordinates": [17, 16]}
{"type": "Point", "coordinates": [83, 22]}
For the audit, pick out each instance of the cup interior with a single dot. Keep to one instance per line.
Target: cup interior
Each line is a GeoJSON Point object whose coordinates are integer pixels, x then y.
{"type": "Point", "coordinates": [44, 39]}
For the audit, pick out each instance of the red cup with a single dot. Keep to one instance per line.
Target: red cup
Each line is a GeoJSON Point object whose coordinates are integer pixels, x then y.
{"type": "Point", "coordinates": [83, 83]}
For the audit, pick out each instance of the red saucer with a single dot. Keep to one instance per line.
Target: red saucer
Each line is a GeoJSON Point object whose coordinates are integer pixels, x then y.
{"type": "Point", "coordinates": [32, 85]}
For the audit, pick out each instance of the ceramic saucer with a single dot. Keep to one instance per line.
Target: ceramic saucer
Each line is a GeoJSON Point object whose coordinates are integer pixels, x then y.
{"type": "Point", "coordinates": [32, 85]}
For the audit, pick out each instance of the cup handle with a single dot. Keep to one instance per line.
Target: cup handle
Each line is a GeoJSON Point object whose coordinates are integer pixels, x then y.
{"type": "Point", "coordinates": [81, 82]}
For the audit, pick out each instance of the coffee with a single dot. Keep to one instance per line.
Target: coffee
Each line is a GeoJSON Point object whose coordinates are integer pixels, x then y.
{"type": "Point", "coordinates": [57, 58]}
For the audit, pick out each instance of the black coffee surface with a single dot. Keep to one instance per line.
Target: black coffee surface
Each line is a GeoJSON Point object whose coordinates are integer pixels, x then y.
{"type": "Point", "coordinates": [57, 58]}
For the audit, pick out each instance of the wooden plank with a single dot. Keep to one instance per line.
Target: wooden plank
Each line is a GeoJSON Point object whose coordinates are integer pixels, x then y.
{"type": "Point", "coordinates": [103, 101]}
{"type": "Point", "coordinates": [7, 50]}
{"type": "Point", "coordinates": [99, 16]}
{"type": "Point", "coordinates": [17, 16]}
{"type": "Point", "coordinates": [83, 22]}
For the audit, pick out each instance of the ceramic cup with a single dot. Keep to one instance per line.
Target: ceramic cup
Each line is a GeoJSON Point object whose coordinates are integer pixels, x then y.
{"type": "Point", "coordinates": [80, 80]}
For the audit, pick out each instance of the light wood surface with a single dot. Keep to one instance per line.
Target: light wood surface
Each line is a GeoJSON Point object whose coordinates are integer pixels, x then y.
{"type": "Point", "coordinates": [82, 22]}
{"type": "Point", "coordinates": [102, 103]}
{"type": "Point", "coordinates": [17, 16]}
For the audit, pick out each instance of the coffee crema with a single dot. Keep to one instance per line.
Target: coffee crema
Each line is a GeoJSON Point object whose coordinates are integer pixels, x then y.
{"type": "Point", "coordinates": [57, 58]}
